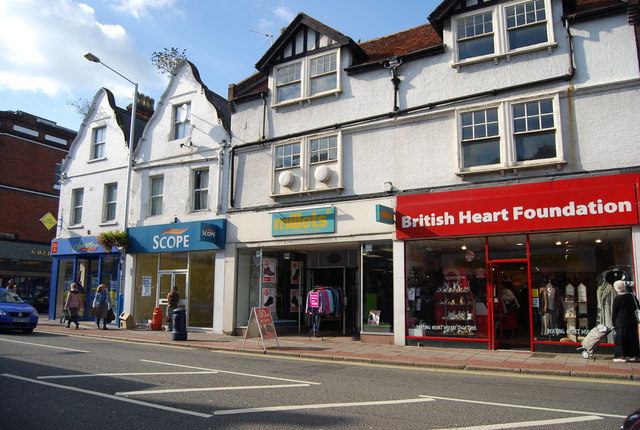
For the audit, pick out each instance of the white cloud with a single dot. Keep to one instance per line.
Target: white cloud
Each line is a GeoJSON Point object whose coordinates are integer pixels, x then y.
{"type": "Point", "coordinates": [285, 14]}
{"type": "Point", "coordinates": [141, 8]}
{"type": "Point", "coordinates": [42, 46]}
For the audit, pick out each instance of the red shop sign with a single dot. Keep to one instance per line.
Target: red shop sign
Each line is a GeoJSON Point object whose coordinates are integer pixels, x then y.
{"type": "Point", "coordinates": [560, 204]}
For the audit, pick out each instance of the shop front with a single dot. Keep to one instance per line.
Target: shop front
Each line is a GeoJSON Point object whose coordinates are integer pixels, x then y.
{"type": "Point", "coordinates": [322, 271]}
{"type": "Point", "coordinates": [83, 261]}
{"type": "Point", "coordinates": [183, 255]}
{"type": "Point", "coordinates": [526, 266]}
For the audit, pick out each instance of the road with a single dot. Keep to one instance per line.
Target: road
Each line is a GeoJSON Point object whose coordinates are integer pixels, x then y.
{"type": "Point", "coordinates": [47, 380]}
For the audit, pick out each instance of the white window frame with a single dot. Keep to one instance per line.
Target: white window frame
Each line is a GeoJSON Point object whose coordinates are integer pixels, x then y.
{"type": "Point", "coordinates": [110, 204]}
{"type": "Point", "coordinates": [180, 129]}
{"type": "Point", "coordinates": [199, 191]}
{"type": "Point", "coordinates": [291, 155]}
{"type": "Point", "coordinates": [507, 136]}
{"type": "Point", "coordinates": [500, 32]}
{"type": "Point", "coordinates": [156, 197]}
{"type": "Point", "coordinates": [303, 169]}
{"type": "Point", "coordinates": [331, 148]}
{"type": "Point", "coordinates": [306, 78]}
{"type": "Point", "coordinates": [77, 199]}
{"type": "Point", "coordinates": [98, 147]}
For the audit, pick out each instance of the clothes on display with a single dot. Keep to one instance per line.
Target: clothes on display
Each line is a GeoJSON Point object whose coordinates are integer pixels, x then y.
{"type": "Point", "coordinates": [551, 308]}
{"type": "Point", "coordinates": [323, 301]}
{"type": "Point", "coordinates": [604, 298]}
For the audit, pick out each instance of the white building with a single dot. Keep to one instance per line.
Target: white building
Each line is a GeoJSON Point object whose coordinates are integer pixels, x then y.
{"type": "Point", "coordinates": [92, 200]}
{"type": "Point", "coordinates": [177, 233]}
{"type": "Point", "coordinates": [495, 132]}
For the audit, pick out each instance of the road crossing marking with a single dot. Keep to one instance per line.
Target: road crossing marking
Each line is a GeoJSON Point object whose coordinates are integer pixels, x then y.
{"type": "Point", "coordinates": [44, 346]}
{"type": "Point", "coordinates": [320, 406]}
{"type": "Point", "coordinates": [523, 424]}
{"type": "Point", "coordinates": [109, 396]}
{"type": "Point", "coordinates": [233, 373]}
{"type": "Point", "coordinates": [187, 390]}
{"type": "Point", "coordinates": [91, 375]}
{"type": "Point", "coordinates": [536, 408]}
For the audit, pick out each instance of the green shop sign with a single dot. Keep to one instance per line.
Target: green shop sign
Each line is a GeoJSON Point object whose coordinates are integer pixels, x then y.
{"type": "Point", "coordinates": [313, 221]}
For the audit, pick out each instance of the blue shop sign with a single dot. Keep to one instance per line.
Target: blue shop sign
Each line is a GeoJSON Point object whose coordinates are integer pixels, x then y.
{"type": "Point", "coordinates": [78, 245]}
{"type": "Point", "coordinates": [313, 221]}
{"type": "Point", "coordinates": [186, 236]}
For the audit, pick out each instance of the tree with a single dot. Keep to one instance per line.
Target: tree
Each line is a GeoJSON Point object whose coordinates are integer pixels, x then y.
{"type": "Point", "coordinates": [168, 61]}
{"type": "Point", "coordinates": [80, 105]}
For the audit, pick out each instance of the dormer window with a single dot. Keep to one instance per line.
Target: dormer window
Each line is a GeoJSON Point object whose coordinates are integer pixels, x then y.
{"type": "Point", "coordinates": [307, 78]}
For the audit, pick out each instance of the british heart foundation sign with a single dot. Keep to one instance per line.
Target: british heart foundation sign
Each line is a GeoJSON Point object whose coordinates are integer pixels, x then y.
{"type": "Point", "coordinates": [572, 203]}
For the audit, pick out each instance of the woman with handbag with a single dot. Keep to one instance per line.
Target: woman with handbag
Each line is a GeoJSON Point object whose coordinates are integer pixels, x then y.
{"type": "Point", "coordinates": [626, 324]}
{"type": "Point", "coordinates": [102, 304]}
{"type": "Point", "coordinates": [74, 305]}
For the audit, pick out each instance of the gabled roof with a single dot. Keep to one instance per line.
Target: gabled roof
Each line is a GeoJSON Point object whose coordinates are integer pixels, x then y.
{"type": "Point", "coordinates": [123, 119]}
{"type": "Point", "coordinates": [220, 104]}
{"type": "Point", "coordinates": [303, 20]}
{"type": "Point", "coordinates": [372, 53]}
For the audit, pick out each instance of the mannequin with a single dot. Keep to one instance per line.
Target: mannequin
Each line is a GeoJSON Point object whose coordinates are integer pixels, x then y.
{"type": "Point", "coordinates": [550, 308]}
{"type": "Point", "coordinates": [604, 298]}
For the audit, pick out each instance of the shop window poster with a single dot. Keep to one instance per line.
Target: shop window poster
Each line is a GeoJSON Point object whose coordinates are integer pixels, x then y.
{"type": "Point", "coordinates": [269, 270]}
{"type": "Point", "coordinates": [146, 286]}
{"type": "Point", "coordinates": [294, 303]}
{"type": "Point", "coordinates": [296, 272]}
{"type": "Point", "coordinates": [269, 298]}
{"type": "Point", "coordinates": [374, 317]}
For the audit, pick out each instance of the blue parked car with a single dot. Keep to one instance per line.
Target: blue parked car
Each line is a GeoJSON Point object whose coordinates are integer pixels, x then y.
{"type": "Point", "coordinates": [15, 313]}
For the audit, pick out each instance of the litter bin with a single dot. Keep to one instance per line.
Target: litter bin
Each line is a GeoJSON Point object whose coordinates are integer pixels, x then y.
{"type": "Point", "coordinates": [179, 324]}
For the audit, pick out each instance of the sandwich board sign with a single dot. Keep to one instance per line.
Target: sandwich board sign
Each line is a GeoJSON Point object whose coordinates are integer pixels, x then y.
{"type": "Point", "coordinates": [261, 325]}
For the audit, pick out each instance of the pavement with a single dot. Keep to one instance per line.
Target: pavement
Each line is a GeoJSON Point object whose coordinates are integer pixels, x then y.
{"type": "Point", "coordinates": [341, 348]}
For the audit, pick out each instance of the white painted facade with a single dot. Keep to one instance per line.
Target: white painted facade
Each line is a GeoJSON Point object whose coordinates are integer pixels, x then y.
{"type": "Point", "coordinates": [593, 84]}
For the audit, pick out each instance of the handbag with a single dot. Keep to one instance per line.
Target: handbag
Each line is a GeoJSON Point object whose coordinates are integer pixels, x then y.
{"type": "Point", "coordinates": [110, 316]}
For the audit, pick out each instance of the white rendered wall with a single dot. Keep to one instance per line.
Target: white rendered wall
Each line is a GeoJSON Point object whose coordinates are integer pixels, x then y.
{"type": "Point", "coordinates": [92, 175]}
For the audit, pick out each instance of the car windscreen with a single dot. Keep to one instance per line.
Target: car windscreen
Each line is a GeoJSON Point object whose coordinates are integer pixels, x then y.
{"type": "Point", "coordinates": [8, 296]}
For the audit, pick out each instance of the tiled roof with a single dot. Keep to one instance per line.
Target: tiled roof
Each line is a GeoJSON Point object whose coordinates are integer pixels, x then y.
{"type": "Point", "coordinates": [403, 43]}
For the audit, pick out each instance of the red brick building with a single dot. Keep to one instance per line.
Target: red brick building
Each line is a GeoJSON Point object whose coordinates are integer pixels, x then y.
{"type": "Point", "coordinates": [31, 151]}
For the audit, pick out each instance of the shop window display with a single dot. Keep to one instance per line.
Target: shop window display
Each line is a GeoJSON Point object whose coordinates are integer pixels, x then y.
{"type": "Point", "coordinates": [377, 288]}
{"type": "Point", "coordinates": [572, 276]}
{"type": "Point", "coordinates": [446, 288]}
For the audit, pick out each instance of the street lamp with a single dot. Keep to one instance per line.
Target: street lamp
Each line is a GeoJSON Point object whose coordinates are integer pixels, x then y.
{"type": "Point", "coordinates": [89, 56]}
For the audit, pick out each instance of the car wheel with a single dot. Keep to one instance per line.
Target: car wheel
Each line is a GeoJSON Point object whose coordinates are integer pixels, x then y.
{"type": "Point", "coordinates": [27, 330]}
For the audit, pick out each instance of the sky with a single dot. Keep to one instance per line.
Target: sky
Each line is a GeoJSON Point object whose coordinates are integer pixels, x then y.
{"type": "Point", "coordinates": [43, 42]}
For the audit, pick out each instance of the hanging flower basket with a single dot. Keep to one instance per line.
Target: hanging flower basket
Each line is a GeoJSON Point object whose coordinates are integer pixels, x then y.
{"type": "Point", "coordinates": [113, 238]}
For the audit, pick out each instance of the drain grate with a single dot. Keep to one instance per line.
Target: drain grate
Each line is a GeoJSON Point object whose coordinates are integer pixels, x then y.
{"type": "Point", "coordinates": [543, 355]}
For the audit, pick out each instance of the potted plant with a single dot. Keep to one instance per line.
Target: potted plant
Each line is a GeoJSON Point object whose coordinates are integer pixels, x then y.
{"type": "Point", "coordinates": [113, 238]}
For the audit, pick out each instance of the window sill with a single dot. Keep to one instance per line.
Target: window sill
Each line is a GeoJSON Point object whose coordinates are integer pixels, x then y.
{"type": "Point", "coordinates": [337, 93]}
{"type": "Point", "coordinates": [95, 160]}
{"type": "Point", "coordinates": [514, 169]}
{"type": "Point", "coordinates": [76, 227]}
{"type": "Point", "coordinates": [337, 190]}
{"type": "Point", "coordinates": [496, 57]}
{"type": "Point", "coordinates": [108, 223]}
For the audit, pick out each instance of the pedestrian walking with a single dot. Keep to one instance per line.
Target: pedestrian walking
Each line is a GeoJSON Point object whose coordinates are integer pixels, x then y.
{"type": "Point", "coordinates": [102, 304]}
{"type": "Point", "coordinates": [74, 304]}
{"type": "Point", "coordinates": [625, 323]}
{"type": "Point", "coordinates": [173, 299]}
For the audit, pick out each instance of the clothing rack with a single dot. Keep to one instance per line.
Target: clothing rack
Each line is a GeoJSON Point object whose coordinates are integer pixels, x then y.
{"type": "Point", "coordinates": [323, 301]}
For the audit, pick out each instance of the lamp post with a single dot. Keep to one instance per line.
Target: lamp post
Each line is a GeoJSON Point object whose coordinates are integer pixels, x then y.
{"type": "Point", "coordinates": [89, 56]}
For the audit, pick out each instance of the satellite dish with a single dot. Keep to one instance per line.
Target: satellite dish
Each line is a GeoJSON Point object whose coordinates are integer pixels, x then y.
{"type": "Point", "coordinates": [182, 113]}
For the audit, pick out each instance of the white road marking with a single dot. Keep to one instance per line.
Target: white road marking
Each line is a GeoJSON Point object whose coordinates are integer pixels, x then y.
{"type": "Point", "coordinates": [91, 375]}
{"type": "Point", "coordinates": [108, 396]}
{"type": "Point", "coordinates": [318, 406]}
{"type": "Point", "coordinates": [232, 373]}
{"type": "Point", "coordinates": [536, 408]}
{"type": "Point", "coordinates": [187, 390]}
{"type": "Point", "coordinates": [44, 346]}
{"type": "Point", "coordinates": [523, 424]}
